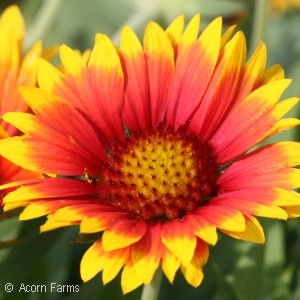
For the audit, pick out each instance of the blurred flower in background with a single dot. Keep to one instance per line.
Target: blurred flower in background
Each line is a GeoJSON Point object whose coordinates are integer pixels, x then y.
{"type": "Point", "coordinates": [284, 6]}
{"type": "Point", "coordinates": [15, 71]}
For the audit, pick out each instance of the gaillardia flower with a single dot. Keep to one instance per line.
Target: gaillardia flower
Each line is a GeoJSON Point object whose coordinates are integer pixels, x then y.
{"type": "Point", "coordinates": [15, 71]}
{"type": "Point", "coordinates": [156, 144]}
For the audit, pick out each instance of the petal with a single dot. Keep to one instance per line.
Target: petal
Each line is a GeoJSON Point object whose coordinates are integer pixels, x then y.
{"type": "Point", "coordinates": [170, 264]}
{"type": "Point", "coordinates": [107, 83]}
{"type": "Point", "coordinates": [12, 19]}
{"type": "Point", "coordinates": [52, 224]}
{"type": "Point", "coordinates": [130, 278]}
{"type": "Point", "coordinates": [115, 260]}
{"type": "Point", "coordinates": [123, 233]}
{"type": "Point", "coordinates": [255, 118]}
{"type": "Point", "coordinates": [93, 261]}
{"type": "Point", "coordinates": [268, 166]}
{"type": "Point", "coordinates": [219, 96]}
{"type": "Point", "coordinates": [202, 228]}
{"type": "Point", "coordinates": [50, 188]}
{"type": "Point", "coordinates": [13, 205]}
{"type": "Point", "coordinates": [281, 125]}
{"type": "Point", "coordinates": [160, 65]}
{"type": "Point", "coordinates": [193, 271]}
{"type": "Point", "coordinates": [78, 212]}
{"type": "Point", "coordinates": [96, 90]}
{"type": "Point", "coordinates": [273, 73]}
{"type": "Point", "coordinates": [101, 221]}
{"type": "Point", "coordinates": [75, 140]}
{"type": "Point", "coordinates": [180, 240]}
{"type": "Point", "coordinates": [191, 32]}
{"type": "Point", "coordinates": [252, 72]}
{"type": "Point", "coordinates": [136, 111]}
{"type": "Point", "coordinates": [194, 67]}
{"type": "Point", "coordinates": [28, 69]}
{"type": "Point", "coordinates": [226, 36]}
{"type": "Point", "coordinates": [147, 252]}
{"type": "Point", "coordinates": [174, 31]}
{"type": "Point", "coordinates": [44, 207]}
{"type": "Point", "coordinates": [292, 211]}
{"type": "Point", "coordinates": [253, 231]}
{"type": "Point", "coordinates": [72, 62]}
{"type": "Point", "coordinates": [223, 217]}
{"type": "Point", "coordinates": [240, 201]}
{"type": "Point", "coordinates": [11, 172]}
{"type": "Point", "coordinates": [52, 81]}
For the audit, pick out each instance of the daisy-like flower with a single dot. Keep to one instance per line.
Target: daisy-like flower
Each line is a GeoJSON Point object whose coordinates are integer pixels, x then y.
{"type": "Point", "coordinates": [156, 141]}
{"type": "Point", "coordinates": [15, 70]}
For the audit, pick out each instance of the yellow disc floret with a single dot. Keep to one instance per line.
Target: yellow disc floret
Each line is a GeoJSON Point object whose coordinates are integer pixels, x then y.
{"type": "Point", "coordinates": [162, 175]}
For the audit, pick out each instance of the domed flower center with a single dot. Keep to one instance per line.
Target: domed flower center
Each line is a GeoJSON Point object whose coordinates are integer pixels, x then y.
{"type": "Point", "coordinates": [163, 175]}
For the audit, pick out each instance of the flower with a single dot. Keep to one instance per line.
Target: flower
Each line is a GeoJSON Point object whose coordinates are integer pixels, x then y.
{"type": "Point", "coordinates": [15, 71]}
{"type": "Point", "coordinates": [157, 144]}
{"type": "Point", "coordinates": [284, 5]}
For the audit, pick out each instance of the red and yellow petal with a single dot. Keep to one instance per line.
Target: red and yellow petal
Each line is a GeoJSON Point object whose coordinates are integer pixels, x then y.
{"type": "Point", "coordinates": [179, 239]}
{"type": "Point", "coordinates": [222, 216]}
{"type": "Point", "coordinates": [81, 82]}
{"type": "Point", "coordinates": [191, 80]}
{"type": "Point", "coordinates": [254, 114]}
{"type": "Point", "coordinates": [268, 166]}
{"type": "Point", "coordinates": [122, 234]}
{"type": "Point", "coordinates": [41, 208]}
{"type": "Point", "coordinates": [107, 97]}
{"type": "Point", "coordinates": [52, 224]}
{"type": "Point", "coordinates": [96, 260]}
{"type": "Point", "coordinates": [247, 204]}
{"type": "Point", "coordinates": [146, 254]}
{"type": "Point", "coordinates": [74, 143]}
{"type": "Point", "coordinates": [253, 231]}
{"type": "Point", "coordinates": [102, 220]}
{"type": "Point", "coordinates": [193, 271]}
{"type": "Point", "coordinates": [174, 32]}
{"type": "Point", "coordinates": [130, 278]}
{"type": "Point", "coordinates": [252, 73]}
{"type": "Point", "coordinates": [202, 228]}
{"type": "Point", "coordinates": [51, 188]}
{"type": "Point", "coordinates": [211, 113]}
{"type": "Point", "coordinates": [11, 172]}
{"type": "Point", "coordinates": [93, 261]}
{"type": "Point", "coordinates": [170, 264]}
{"type": "Point", "coordinates": [160, 66]}
{"type": "Point", "coordinates": [264, 195]}
{"type": "Point", "coordinates": [136, 114]}
{"type": "Point", "coordinates": [115, 260]}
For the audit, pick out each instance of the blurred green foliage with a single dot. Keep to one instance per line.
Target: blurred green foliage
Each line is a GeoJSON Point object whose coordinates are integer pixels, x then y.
{"type": "Point", "coordinates": [237, 270]}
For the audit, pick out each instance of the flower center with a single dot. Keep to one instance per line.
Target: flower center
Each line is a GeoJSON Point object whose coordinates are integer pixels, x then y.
{"type": "Point", "coordinates": [162, 175]}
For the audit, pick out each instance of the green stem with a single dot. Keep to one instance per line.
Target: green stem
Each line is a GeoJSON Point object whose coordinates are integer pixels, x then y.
{"type": "Point", "coordinates": [259, 23]}
{"type": "Point", "coordinates": [151, 290]}
{"type": "Point", "coordinates": [43, 21]}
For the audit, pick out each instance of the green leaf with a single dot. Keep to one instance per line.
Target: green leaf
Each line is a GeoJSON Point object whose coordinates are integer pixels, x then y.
{"type": "Point", "coordinates": [224, 289]}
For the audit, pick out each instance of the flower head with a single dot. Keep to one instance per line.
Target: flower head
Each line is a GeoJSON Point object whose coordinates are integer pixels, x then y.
{"type": "Point", "coordinates": [156, 143]}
